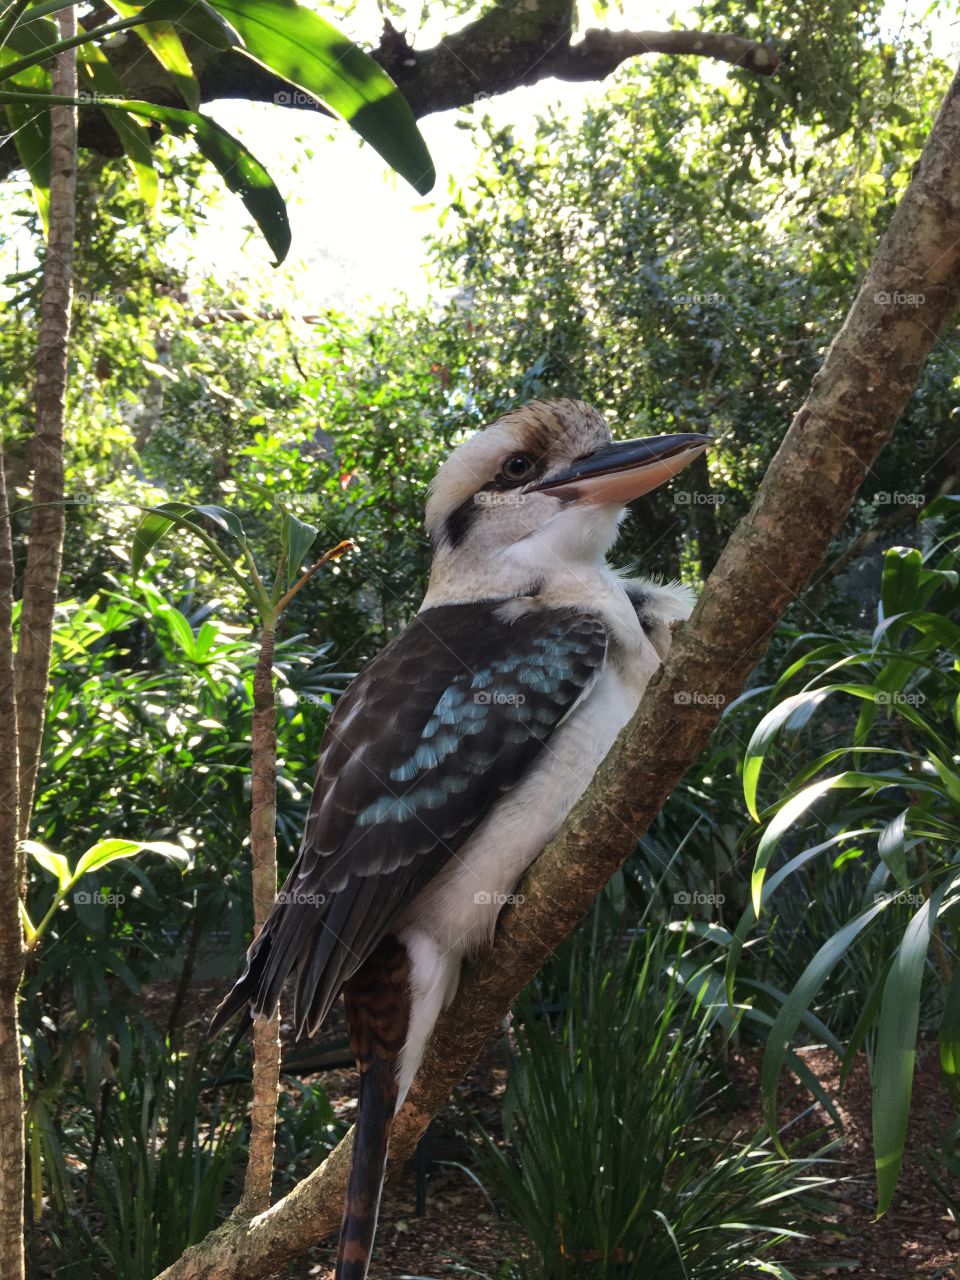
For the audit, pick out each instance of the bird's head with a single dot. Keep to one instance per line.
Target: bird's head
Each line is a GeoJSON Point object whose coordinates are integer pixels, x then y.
{"type": "Point", "coordinates": [542, 486]}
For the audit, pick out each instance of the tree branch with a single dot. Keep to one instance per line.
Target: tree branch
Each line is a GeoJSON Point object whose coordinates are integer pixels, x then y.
{"type": "Point", "coordinates": [856, 398]}
{"type": "Point", "coordinates": [41, 577]}
{"type": "Point", "coordinates": [514, 43]}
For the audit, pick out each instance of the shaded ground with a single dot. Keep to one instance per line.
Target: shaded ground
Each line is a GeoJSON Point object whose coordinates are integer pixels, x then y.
{"type": "Point", "coordinates": [460, 1235]}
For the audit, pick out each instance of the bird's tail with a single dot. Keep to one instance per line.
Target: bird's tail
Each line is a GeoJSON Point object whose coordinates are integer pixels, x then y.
{"type": "Point", "coordinates": [377, 1005]}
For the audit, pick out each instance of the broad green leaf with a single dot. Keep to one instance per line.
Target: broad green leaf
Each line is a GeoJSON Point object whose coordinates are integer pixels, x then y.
{"type": "Point", "coordinates": [240, 171]}
{"type": "Point", "coordinates": [865, 1020]}
{"type": "Point", "coordinates": [950, 1029]}
{"type": "Point", "coordinates": [791, 1013]}
{"type": "Point", "coordinates": [897, 1049]}
{"type": "Point", "coordinates": [948, 776]}
{"type": "Point", "coordinates": [29, 931]}
{"type": "Point", "coordinates": [164, 43]}
{"type": "Point", "coordinates": [891, 845]}
{"type": "Point", "coordinates": [901, 578]}
{"type": "Point", "coordinates": [30, 127]}
{"type": "Point", "coordinates": [797, 805]}
{"type": "Point", "coordinates": [197, 18]}
{"type": "Point", "coordinates": [55, 863]}
{"type": "Point", "coordinates": [105, 851]}
{"type": "Point", "coordinates": [180, 630]}
{"type": "Point", "coordinates": [749, 917]}
{"type": "Point", "coordinates": [97, 74]}
{"type": "Point", "coordinates": [938, 629]}
{"type": "Point", "coordinates": [158, 522]}
{"type": "Point", "coordinates": [304, 49]}
{"type": "Point", "coordinates": [770, 726]}
{"type": "Point", "coordinates": [227, 520]}
{"type": "Point", "coordinates": [947, 504]}
{"type": "Point", "coordinates": [296, 539]}
{"type": "Point", "coordinates": [152, 528]}
{"type": "Point", "coordinates": [795, 808]}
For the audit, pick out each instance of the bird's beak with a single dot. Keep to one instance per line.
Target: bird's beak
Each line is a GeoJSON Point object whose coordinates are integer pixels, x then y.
{"type": "Point", "coordinates": [624, 470]}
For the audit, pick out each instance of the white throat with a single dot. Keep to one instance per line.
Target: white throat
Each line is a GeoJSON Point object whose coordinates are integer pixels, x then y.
{"type": "Point", "coordinates": [569, 548]}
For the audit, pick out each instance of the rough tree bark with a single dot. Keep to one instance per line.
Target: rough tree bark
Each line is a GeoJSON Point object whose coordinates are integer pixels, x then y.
{"type": "Point", "coordinates": [263, 847]}
{"type": "Point", "coordinates": [513, 43]}
{"type": "Point", "coordinates": [857, 396]}
{"type": "Point", "coordinates": [47, 519]}
{"type": "Point", "coordinates": [11, 948]}
{"type": "Point", "coordinates": [23, 678]}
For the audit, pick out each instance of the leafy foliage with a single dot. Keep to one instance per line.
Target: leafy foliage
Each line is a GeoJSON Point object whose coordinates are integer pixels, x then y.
{"type": "Point", "coordinates": [607, 1167]}
{"type": "Point", "coordinates": [897, 792]}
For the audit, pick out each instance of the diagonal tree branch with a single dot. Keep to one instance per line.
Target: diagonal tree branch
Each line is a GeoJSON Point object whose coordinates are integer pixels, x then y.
{"type": "Point", "coordinates": [910, 292]}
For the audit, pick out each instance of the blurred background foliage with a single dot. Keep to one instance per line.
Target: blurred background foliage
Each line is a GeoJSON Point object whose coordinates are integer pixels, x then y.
{"type": "Point", "coordinates": [679, 256]}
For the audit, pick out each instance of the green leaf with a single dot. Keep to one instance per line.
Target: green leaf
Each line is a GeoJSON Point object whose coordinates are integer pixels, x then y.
{"type": "Point", "coordinates": [797, 805]}
{"type": "Point", "coordinates": [240, 171]}
{"type": "Point", "coordinates": [897, 1049]}
{"type": "Point", "coordinates": [766, 731]}
{"type": "Point", "coordinates": [152, 528]}
{"type": "Point", "coordinates": [950, 1029]}
{"type": "Point", "coordinates": [793, 1008]}
{"type": "Point", "coordinates": [891, 845]}
{"type": "Point", "coordinates": [164, 43]}
{"type": "Point", "coordinates": [197, 18]}
{"type": "Point", "coordinates": [97, 74]}
{"type": "Point", "coordinates": [106, 851]}
{"type": "Point", "coordinates": [865, 1020]}
{"type": "Point", "coordinates": [158, 522]}
{"type": "Point", "coordinates": [749, 917]}
{"type": "Point", "coordinates": [304, 49]}
{"type": "Point", "coordinates": [31, 137]}
{"type": "Point", "coordinates": [55, 863]}
{"type": "Point", "coordinates": [228, 521]}
{"type": "Point", "coordinates": [297, 537]}
{"type": "Point", "coordinates": [901, 578]}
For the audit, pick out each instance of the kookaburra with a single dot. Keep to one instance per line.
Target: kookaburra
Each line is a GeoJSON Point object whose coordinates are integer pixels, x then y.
{"type": "Point", "coordinates": [455, 755]}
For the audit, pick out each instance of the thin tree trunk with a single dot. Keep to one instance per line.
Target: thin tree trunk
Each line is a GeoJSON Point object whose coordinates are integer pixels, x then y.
{"type": "Point", "coordinates": [23, 679]}
{"type": "Point", "coordinates": [263, 844]}
{"type": "Point", "coordinates": [866, 380]}
{"type": "Point", "coordinates": [11, 943]}
{"type": "Point", "coordinates": [45, 547]}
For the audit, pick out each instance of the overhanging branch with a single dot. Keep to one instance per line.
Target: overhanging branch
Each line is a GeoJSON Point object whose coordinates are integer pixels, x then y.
{"type": "Point", "coordinates": [857, 396]}
{"type": "Point", "coordinates": [513, 43]}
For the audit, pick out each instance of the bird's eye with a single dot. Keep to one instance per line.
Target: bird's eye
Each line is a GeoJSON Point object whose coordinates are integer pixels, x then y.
{"type": "Point", "coordinates": [517, 467]}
